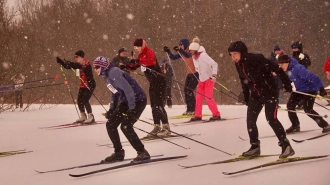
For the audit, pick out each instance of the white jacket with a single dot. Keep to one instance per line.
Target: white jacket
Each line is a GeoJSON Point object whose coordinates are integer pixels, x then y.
{"type": "Point", "coordinates": [205, 65]}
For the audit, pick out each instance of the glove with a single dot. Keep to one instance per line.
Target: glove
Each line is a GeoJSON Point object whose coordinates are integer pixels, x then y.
{"type": "Point", "coordinates": [301, 56]}
{"type": "Point", "coordinates": [214, 78]}
{"type": "Point", "coordinates": [288, 88]}
{"type": "Point", "coordinates": [122, 67]}
{"type": "Point", "coordinates": [58, 60]}
{"type": "Point", "coordinates": [166, 49]}
{"type": "Point", "coordinates": [134, 61]}
{"type": "Point", "coordinates": [109, 113]}
{"type": "Point", "coordinates": [322, 92]}
{"type": "Point", "coordinates": [176, 48]}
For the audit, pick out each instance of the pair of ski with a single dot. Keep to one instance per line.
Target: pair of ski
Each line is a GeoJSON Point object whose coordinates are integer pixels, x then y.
{"type": "Point", "coordinates": [202, 121]}
{"type": "Point", "coordinates": [125, 165]}
{"type": "Point", "coordinates": [70, 125]}
{"type": "Point", "coordinates": [151, 139]}
{"type": "Point", "coordinates": [14, 152]}
{"type": "Point", "coordinates": [297, 140]}
{"type": "Point", "coordinates": [242, 158]}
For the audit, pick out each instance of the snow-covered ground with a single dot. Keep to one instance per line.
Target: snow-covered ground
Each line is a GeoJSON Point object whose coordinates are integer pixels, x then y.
{"type": "Point", "coordinates": [54, 149]}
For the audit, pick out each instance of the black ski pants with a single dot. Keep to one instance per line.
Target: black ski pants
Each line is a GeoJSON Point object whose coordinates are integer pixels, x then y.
{"type": "Point", "coordinates": [308, 103]}
{"type": "Point", "coordinates": [189, 94]}
{"type": "Point", "coordinates": [84, 95]}
{"type": "Point", "coordinates": [19, 98]}
{"type": "Point", "coordinates": [127, 122]}
{"type": "Point", "coordinates": [254, 107]}
{"type": "Point", "coordinates": [157, 93]}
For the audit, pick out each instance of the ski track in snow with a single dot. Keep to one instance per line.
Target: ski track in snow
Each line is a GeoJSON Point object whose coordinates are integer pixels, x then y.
{"type": "Point", "coordinates": [61, 148]}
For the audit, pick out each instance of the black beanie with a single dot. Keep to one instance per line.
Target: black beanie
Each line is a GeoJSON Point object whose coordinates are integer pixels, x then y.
{"type": "Point", "coordinates": [80, 53]}
{"type": "Point", "coordinates": [121, 50]}
{"type": "Point", "coordinates": [283, 59]}
{"type": "Point", "coordinates": [237, 46]}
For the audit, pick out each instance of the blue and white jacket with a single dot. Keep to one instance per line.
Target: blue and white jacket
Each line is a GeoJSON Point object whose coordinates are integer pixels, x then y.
{"type": "Point", "coordinates": [124, 87]}
{"type": "Point", "coordinates": [304, 80]}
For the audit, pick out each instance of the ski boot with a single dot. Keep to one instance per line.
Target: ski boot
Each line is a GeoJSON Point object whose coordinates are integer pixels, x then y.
{"type": "Point", "coordinates": [154, 131]}
{"type": "Point", "coordinates": [254, 150]}
{"type": "Point", "coordinates": [195, 119]}
{"type": "Point", "coordinates": [287, 150]}
{"type": "Point", "coordinates": [166, 131]}
{"type": "Point", "coordinates": [293, 129]}
{"type": "Point", "coordinates": [143, 155]}
{"type": "Point", "coordinates": [326, 129]}
{"type": "Point", "coordinates": [117, 156]}
{"type": "Point", "coordinates": [215, 118]}
{"type": "Point", "coordinates": [90, 119]}
{"type": "Point", "coordinates": [82, 118]}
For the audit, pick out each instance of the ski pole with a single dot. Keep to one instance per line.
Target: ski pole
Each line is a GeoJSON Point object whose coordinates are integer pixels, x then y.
{"type": "Point", "coordinates": [188, 138]}
{"type": "Point", "coordinates": [67, 84]}
{"type": "Point", "coordinates": [325, 116]}
{"type": "Point", "coordinates": [226, 88]}
{"type": "Point", "coordinates": [322, 106]}
{"type": "Point", "coordinates": [160, 137]}
{"type": "Point", "coordinates": [43, 86]}
{"type": "Point", "coordinates": [9, 85]}
{"type": "Point", "coordinates": [316, 96]}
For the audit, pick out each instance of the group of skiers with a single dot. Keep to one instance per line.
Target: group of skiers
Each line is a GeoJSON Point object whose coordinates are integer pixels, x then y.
{"type": "Point", "coordinates": [260, 79]}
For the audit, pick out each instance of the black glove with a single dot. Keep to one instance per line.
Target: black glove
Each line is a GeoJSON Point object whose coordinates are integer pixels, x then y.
{"type": "Point", "coordinates": [109, 113]}
{"type": "Point", "coordinates": [288, 88]}
{"type": "Point", "coordinates": [122, 67]}
{"type": "Point", "coordinates": [176, 48]}
{"type": "Point", "coordinates": [134, 61]}
{"type": "Point", "coordinates": [166, 49]}
{"type": "Point", "coordinates": [322, 92]}
{"type": "Point", "coordinates": [58, 60]}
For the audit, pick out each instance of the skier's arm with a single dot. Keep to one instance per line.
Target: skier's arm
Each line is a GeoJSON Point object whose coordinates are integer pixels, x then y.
{"type": "Point", "coordinates": [184, 53]}
{"type": "Point", "coordinates": [122, 83]}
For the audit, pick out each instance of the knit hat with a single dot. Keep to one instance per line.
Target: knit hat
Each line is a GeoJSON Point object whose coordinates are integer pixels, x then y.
{"type": "Point", "coordinates": [121, 50]}
{"type": "Point", "coordinates": [283, 59]}
{"type": "Point", "coordinates": [277, 48]}
{"type": "Point", "coordinates": [297, 44]}
{"type": "Point", "coordinates": [237, 46]}
{"type": "Point", "coordinates": [101, 61]}
{"type": "Point", "coordinates": [194, 46]}
{"type": "Point", "coordinates": [138, 42]}
{"type": "Point", "coordinates": [80, 53]}
{"type": "Point", "coordinates": [185, 42]}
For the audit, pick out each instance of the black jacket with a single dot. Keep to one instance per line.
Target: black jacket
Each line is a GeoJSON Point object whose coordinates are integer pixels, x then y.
{"type": "Point", "coordinates": [255, 73]}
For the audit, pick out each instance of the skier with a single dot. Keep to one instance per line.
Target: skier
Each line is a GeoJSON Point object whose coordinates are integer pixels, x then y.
{"type": "Point", "coordinates": [127, 104]}
{"type": "Point", "coordinates": [326, 68]}
{"type": "Point", "coordinates": [168, 72]}
{"type": "Point", "coordinates": [192, 75]}
{"type": "Point", "coordinates": [87, 84]}
{"type": "Point", "coordinates": [151, 69]}
{"type": "Point", "coordinates": [207, 69]}
{"type": "Point", "coordinates": [260, 89]}
{"type": "Point", "coordinates": [121, 60]}
{"type": "Point", "coordinates": [307, 82]}
{"type": "Point", "coordinates": [18, 80]}
{"type": "Point", "coordinates": [302, 58]}
{"type": "Point", "coordinates": [272, 58]}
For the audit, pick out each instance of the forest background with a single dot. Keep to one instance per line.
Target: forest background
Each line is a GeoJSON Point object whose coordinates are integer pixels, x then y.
{"type": "Point", "coordinates": [34, 32]}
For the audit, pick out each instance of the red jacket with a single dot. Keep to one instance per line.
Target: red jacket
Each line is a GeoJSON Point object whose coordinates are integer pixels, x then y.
{"type": "Point", "coordinates": [327, 66]}
{"type": "Point", "coordinates": [147, 57]}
